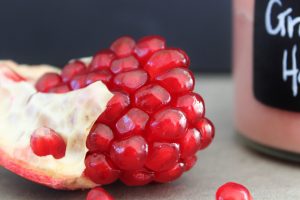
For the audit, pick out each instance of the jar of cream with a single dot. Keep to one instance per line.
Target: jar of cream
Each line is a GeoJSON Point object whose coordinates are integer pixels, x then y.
{"type": "Point", "coordinates": [266, 71]}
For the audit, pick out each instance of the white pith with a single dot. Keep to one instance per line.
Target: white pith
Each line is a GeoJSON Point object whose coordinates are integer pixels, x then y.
{"type": "Point", "coordinates": [23, 110]}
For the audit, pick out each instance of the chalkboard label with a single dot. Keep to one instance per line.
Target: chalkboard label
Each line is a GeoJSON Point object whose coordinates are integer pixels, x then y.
{"type": "Point", "coordinates": [277, 53]}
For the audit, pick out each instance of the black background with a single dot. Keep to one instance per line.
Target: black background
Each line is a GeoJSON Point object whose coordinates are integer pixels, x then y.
{"type": "Point", "coordinates": [35, 31]}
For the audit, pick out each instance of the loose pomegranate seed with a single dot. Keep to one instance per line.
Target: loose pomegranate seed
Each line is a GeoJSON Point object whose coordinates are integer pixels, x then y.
{"type": "Point", "coordinates": [103, 75]}
{"type": "Point", "coordinates": [146, 46]}
{"type": "Point", "coordinates": [100, 170]}
{"type": "Point", "coordinates": [131, 81]}
{"type": "Point", "coordinates": [116, 106]}
{"type": "Point", "coordinates": [137, 177]}
{"type": "Point", "coordinates": [78, 82]}
{"type": "Point", "coordinates": [162, 156]}
{"type": "Point", "coordinates": [98, 194]}
{"type": "Point", "coordinates": [207, 131]}
{"type": "Point", "coordinates": [151, 98]}
{"type": "Point", "coordinates": [100, 138]}
{"type": "Point", "coordinates": [45, 141]}
{"type": "Point", "coordinates": [132, 123]}
{"type": "Point", "coordinates": [72, 69]}
{"type": "Point", "coordinates": [124, 64]}
{"type": "Point", "coordinates": [170, 175]}
{"type": "Point", "coordinates": [164, 60]}
{"type": "Point", "coordinates": [64, 88]}
{"type": "Point", "coordinates": [192, 105]}
{"type": "Point", "coordinates": [167, 125]}
{"type": "Point", "coordinates": [177, 81]}
{"type": "Point", "coordinates": [48, 81]}
{"type": "Point", "coordinates": [129, 154]}
{"type": "Point", "coordinates": [102, 60]}
{"type": "Point", "coordinates": [233, 191]}
{"type": "Point", "coordinates": [190, 143]}
{"type": "Point", "coordinates": [123, 46]}
{"type": "Point", "coordinates": [190, 162]}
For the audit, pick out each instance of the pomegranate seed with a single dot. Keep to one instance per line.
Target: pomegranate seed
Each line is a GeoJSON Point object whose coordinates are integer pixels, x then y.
{"type": "Point", "coordinates": [124, 64]}
{"type": "Point", "coordinates": [129, 154]}
{"type": "Point", "coordinates": [116, 106]}
{"type": "Point", "coordinates": [131, 81]}
{"type": "Point", "coordinates": [190, 143]}
{"type": "Point", "coordinates": [233, 191]}
{"type": "Point", "coordinates": [103, 75]}
{"type": "Point", "coordinates": [163, 60]}
{"type": "Point", "coordinates": [100, 138]}
{"type": "Point", "coordinates": [98, 194]}
{"type": "Point", "coordinates": [177, 81]}
{"type": "Point", "coordinates": [132, 123]}
{"type": "Point", "coordinates": [207, 131]}
{"type": "Point", "coordinates": [45, 141]}
{"type": "Point", "coordinates": [60, 89]}
{"type": "Point", "coordinates": [190, 162]}
{"type": "Point", "coordinates": [167, 125]}
{"type": "Point", "coordinates": [151, 98]}
{"type": "Point", "coordinates": [170, 175]}
{"type": "Point", "coordinates": [192, 105]}
{"type": "Point", "coordinates": [102, 60]}
{"type": "Point", "coordinates": [72, 69]}
{"type": "Point", "coordinates": [100, 170]}
{"type": "Point", "coordinates": [146, 46]}
{"type": "Point", "coordinates": [48, 81]}
{"type": "Point", "coordinates": [162, 156]}
{"type": "Point", "coordinates": [78, 82]}
{"type": "Point", "coordinates": [123, 46]}
{"type": "Point", "coordinates": [137, 177]}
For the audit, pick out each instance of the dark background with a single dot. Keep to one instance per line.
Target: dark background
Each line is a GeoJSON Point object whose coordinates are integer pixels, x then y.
{"type": "Point", "coordinates": [35, 31]}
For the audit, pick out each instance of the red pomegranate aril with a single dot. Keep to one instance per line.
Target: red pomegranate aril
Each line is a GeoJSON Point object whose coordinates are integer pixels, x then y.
{"type": "Point", "coordinates": [64, 88]}
{"type": "Point", "coordinates": [98, 194]}
{"type": "Point", "coordinates": [151, 98]}
{"type": "Point", "coordinates": [100, 170]}
{"type": "Point", "coordinates": [192, 105]}
{"type": "Point", "coordinates": [167, 125]}
{"type": "Point", "coordinates": [137, 177]}
{"type": "Point", "coordinates": [124, 64]}
{"type": "Point", "coordinates": [162, 156]}
{"type": "Point", "coordinates": [177, 81]}
{"type": "Point", "coordinates": [78, 82]}
{"type": "Point", "coordinates": [100, 138]}
{"type": "Point", "coordinates": [207, 131]}
{"type": "Point", "coordinates": [190, 143]}
{"type": "Point", "coordinates": [45, 141]}
{"type": "Point", "coordinates": [129, 154]}
{"type": "Point", "coordinates": [116, 106]}
{"type": "Point", "coordinates": [47, 81]}
{"type": "Point", "coordinates": [233, 191]}
{"type": "Point", "coordinates": [71, 69]}
{"type": "Point", "coordinates": [123, 46]}
{"type": "Point", "coordinates": [103, 75]}
{"type": "Point", "coordinates": [164, 60]}
{"type": "Point", "coordinates": [171, 174]}
{"type": "Point", "coordinates": [190, 162]}
{"type": "Point", "coordinates": [130, 81]}
{"type": "Point", "coordinates": [132, 123]}
{"type": "Point", "coordinates": [102, 60]}
{"type": "Point", "coordinates": [146, 46]}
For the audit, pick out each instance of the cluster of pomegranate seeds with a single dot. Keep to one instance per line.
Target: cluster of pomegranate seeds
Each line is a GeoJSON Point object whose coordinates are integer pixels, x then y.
{"type": "Point", "coordinates": [233, 191]}
{"type": "Point", "coordinates": [154, 124]}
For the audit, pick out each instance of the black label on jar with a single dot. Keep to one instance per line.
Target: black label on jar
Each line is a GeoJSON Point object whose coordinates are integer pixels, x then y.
{"type": "Point", "coordinates": [277, 53]}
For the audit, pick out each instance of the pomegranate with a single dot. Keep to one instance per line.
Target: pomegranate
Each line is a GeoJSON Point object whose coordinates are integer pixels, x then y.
{"type": "Point", "coordinates": [127, 113]}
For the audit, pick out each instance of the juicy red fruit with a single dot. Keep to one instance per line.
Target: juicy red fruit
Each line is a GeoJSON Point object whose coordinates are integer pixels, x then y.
{"type": "Point", "coordinates": [154, 124]}
{"type": "Point", "coordinates": [233, 191]}
{"type": "Point", "coordinates": [98, 194]}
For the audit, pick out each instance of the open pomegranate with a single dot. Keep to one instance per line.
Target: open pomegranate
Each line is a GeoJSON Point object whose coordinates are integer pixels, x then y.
{"type": "Point", "coordinates": [128, 113]}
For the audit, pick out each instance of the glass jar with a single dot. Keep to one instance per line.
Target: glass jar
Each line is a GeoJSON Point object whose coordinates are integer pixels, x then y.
{"type": "Point", "coordinates": [266, 70]}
